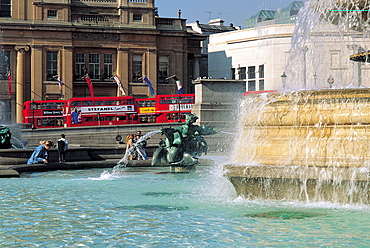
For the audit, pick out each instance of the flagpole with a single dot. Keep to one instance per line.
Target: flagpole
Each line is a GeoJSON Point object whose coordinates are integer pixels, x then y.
{"type": "Point", "coordinates": [179, 99]}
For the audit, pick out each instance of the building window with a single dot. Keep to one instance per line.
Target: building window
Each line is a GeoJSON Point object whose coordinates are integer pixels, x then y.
{"type": "Point", "coordinates": [261, 71]}
{"type": "Point", "coordinates": [251, 75]}
{"type": "Point", "coordinates": [52, 13]}
{"type": "Point", "coordinates": [252, 85]}
{"type": "Point", "coordinates": [51, 65]}
{"type": "Point", "coordinates": [4, 64]}
{"type": "Point", "coordinates": [335, 59]}
{"type": "Point", "coordinates": [251, 72]}
{"type": "Point", "coordinates": [164, 68]}
{"type": "Point", "coordinates": [261, 75]}
{"type": "Point", "coordinates": [261, 84]}
{"type": "Point", "coordinates": [138, 17]}
{"type": "Point", "coordinates": [137, 62]}
{"type": "Point", "coordinates": [79, 65]}
{"type": "Point", "coordinates": [5, 8]}
{"type": "Point", "coordinates": [108, 66]}
{"type": "Point", "coordinates": [94, 66]}
{"type": "Point", "coordinates": [242, 73]}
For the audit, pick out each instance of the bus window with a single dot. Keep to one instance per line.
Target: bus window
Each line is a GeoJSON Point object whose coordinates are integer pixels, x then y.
{"type": "Point", "coordinates": [48, 122]}
{"type": "Point", "coordinates": [109, 118]}
{"type": "Point", "coordinates": [59, 122]}
{"type": "Point", "coordinates": [88, 118]}
{"type": "Point", "coordinates": [75, 104]}
{"type": "Point", "coordinates": [86, 103]}
{"type": "Point", "coordinates": [59, 105]}
{"type": "Point", "coordinates": [144, 119]}
{"type": "Point", "coordinates": [109, 102]}
{"type": "Point", "coordinates": [48, 106]}
{"type": "Point", "coordinates": [99, 118]}
{"type": "Point", "coordinates": [121, 118]}
{"type": "Point", "coordinates": [99, 103]}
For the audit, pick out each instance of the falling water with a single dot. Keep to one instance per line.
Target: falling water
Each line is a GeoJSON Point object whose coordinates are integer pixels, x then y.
{"type": "Point", "coordinates": [314, 139]}
{"type": "Point", "coordinates": [323, 40]}
{"type": "Point", "coordinates": [306, 135]}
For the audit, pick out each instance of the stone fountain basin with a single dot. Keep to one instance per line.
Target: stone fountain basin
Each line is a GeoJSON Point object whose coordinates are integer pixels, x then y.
{"type": "Point", "coordinates": [306, 145]}
{"type": "Point", "coordinates": [308, 128]}
{"type": "Point", "coordinates": [294, 183]}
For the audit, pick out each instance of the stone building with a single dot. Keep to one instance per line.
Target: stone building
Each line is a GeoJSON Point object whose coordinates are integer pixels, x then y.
{"type": "Point", "coordinates": [44, 39]}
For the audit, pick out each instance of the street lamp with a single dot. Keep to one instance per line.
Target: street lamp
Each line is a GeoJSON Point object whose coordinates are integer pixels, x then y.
{"type": "Point", "coordinates": [283, 79]}
{"type": "Point", "coordinates": [315, 79]}
{"type": "Point", "coordinates": [330, 81]}
{"type": "Point", "coordinates": [33, 113]}
{"type": "Point", "coordinates": [179, 106]}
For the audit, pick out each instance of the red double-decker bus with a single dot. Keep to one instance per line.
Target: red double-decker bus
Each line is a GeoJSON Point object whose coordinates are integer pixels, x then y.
{"type": "Point", "coordinates": [100, 111]}
{"type": "Point", "coordinates": [165, 108]}
{"type": "Point", "coordinates": [173, 108]}
{"type": "Point", "coordinates": [43, 113]}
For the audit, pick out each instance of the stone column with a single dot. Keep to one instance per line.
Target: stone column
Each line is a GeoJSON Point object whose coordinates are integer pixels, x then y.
{"type": "Point", "coordinates": [181, 70]}
{"type": "Point", "coordinates": [122, 70]}
{"type": "Point", "coordinates": [36, 72]}
{"type": "Point", "coordinates": [65, 71]}
{"type": "Point", "coordinates": [150, 69]}
{"type": "Point", "coordinates": [196, 66]}
{"type": "Point", "coordinates": [20, 83]}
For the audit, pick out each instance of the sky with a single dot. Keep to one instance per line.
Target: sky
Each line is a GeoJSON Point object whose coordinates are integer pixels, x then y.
{"type": "Point", "coordinates": [231, 11]}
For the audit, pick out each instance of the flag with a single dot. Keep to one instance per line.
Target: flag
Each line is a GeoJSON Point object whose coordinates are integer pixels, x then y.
{"type": "Point", "coordinates": [60, 86]}
{"type": "Point", "coordinates": [146, 80]}
{"type": "Point", "coordinates": [180, 90]}
{"type": "Point", "coordinates": [60, 83]}
{"type": "Point", "coordinates": [88, 81]}
{"type": "Point", "coordinates": [118, 81]}
{"type": "Point", "coordinates": [9, 83]}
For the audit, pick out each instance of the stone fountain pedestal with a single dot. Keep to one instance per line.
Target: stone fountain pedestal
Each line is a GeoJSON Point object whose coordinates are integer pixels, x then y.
{"type": "Point", "coordinates": [307, 145]}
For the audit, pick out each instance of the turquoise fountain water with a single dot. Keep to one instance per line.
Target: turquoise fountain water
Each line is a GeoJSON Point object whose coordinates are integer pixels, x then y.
{"type": "Point", "coordinates": [148, 207]}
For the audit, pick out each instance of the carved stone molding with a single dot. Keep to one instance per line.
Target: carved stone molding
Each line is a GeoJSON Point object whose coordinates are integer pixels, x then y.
{"type": "Point", "coordinates": [152, 50]}
{"type": "Point", "coordinates": [92, 36]}
{"type": "Point", "coordinates": [37, 46]}
{"type": "Point", "coordinates": [22, 48]}
{"type": "Point", "coordinates": [123, 49]}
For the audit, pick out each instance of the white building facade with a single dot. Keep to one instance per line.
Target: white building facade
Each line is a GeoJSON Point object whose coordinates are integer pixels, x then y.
{"type": "Point", "coordinates": [261, 55]}
{"type": "Point", "coordinates": [257, 55]}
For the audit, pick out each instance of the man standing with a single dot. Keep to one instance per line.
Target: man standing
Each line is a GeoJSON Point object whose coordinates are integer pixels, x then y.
{"type": "Point", "coordinates": [62, 147]}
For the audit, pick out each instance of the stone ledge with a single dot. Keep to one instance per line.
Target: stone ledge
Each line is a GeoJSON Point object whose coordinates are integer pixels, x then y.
{"type": "Point", "coordinates": [8, 173]}
{"type": "Point", "coordinates": [297, 172]}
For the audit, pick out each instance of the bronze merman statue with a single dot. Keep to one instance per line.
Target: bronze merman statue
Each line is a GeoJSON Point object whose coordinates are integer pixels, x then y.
{"type": "Point", "coordinates": [183, 144]}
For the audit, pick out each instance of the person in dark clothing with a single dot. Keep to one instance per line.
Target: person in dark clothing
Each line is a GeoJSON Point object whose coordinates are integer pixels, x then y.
{"type": "Point", "coordinates": [62, 147]}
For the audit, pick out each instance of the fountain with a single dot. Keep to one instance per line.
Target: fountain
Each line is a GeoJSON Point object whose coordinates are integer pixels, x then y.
{"type": "Point", "coordinates": [183, 144]}
{"type": "Point", "coordinates": [308, 145]}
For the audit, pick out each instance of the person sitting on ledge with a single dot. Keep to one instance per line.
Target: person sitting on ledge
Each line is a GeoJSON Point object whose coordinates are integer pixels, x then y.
{"type": "Point", "coordinates": [40, 154]}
